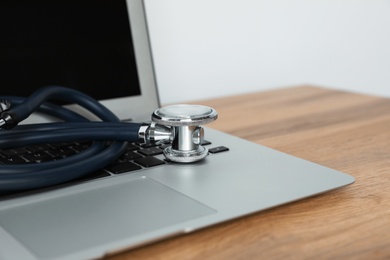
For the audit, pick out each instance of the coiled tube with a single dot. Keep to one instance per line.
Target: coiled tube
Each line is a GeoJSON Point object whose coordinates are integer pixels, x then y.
{"type": "Point", "coordinates": [73, 128]}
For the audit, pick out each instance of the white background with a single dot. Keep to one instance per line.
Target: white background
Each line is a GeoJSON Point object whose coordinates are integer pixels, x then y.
{"type": "Point", "coordinates": [212, 48]}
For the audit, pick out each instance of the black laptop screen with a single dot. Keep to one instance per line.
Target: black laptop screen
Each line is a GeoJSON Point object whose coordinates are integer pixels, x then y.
{"type": "Point", "coordinates": [85, 45]}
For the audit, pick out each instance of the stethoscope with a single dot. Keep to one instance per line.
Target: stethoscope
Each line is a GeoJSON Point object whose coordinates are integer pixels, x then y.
{"type": "Point", "coordinates": [177, 125]}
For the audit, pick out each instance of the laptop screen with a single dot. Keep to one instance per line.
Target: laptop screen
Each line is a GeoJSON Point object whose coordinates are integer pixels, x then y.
{"type": "Point", "coordinates": [86, 45]}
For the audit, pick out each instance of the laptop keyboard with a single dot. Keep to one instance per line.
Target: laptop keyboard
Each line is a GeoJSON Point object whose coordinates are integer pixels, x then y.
{"type": "Point", "coordinates": [136, 157]}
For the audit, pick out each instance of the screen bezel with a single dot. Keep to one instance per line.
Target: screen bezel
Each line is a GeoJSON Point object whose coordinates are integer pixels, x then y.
{"type": "Point", "coordinates": [140, 107]}
{"type": "Point", "coordinates": [137, 108]}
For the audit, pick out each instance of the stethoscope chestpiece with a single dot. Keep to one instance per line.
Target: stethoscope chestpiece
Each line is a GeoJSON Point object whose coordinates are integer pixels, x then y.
{"type": "Point", "coordinates": [188, 135]}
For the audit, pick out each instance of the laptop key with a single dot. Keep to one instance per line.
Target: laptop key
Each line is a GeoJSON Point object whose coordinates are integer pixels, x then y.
{"type": "Point", "coordinates": [205, 142]}
{"type": "Point", "coordinates": [149, 161]}
{"type": "Point", "coordinates": [218, 149]}
{"type": "Point", "coordinates": [14, 151]}
{"type": "Point", "coordinates": [132, 147]}
{"type": "Point", "coordinates": [38, 157]}
{"type": "Point", "coordinates": [38, 147]}
{"type": "Point", "coordinates": [63, 152]}
{"type": "Point", "coordinates": [122, 167]}
{"type": "Point", "coordinates": [96, 175]}
{"type": "Point", "coordinates": [151, 151]}
{"type": "Point", "coordinates": [129, 156]}
{"type": "Point", "coordinates": [12, 160]}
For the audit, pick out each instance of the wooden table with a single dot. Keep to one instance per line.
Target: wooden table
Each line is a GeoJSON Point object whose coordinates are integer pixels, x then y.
{"type": "Point", "coordinates": [344, 131]}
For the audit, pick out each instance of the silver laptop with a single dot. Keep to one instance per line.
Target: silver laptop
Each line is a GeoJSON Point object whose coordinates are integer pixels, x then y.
{"type": "Point", "coordinates": [105, 47]}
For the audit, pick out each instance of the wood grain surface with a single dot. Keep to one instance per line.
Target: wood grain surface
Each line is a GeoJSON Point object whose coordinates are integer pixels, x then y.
{"type": "Point", "coordinates": [341, 130]}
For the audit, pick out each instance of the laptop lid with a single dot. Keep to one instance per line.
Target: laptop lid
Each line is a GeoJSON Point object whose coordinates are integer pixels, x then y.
{"type": "Point", "coordinates": [98, 47]}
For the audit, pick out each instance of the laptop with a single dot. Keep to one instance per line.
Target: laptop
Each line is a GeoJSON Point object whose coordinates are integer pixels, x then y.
{"type": "Point", "coordinates": [102, 48]}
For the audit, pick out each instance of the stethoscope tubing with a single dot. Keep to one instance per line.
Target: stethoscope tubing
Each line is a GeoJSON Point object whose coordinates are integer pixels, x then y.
{"type": "Point", "coordinates": [75, 128]}
{"type": "Point", "coordinates": [67, 132]}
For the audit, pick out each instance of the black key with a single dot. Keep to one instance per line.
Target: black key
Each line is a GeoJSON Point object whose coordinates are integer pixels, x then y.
{"type": "Point", "coordinates": [205, 142]}
{"type": "Point", "coordinates": [80, 147]}
{"type": "Point", "coordinates": [129, 156]}
{"type": "Point", "coordinates": [123, 167]}
{"type": "Point", "coordinates": [151, 151]}
{"type": "Point", "coordinates": [132, 147]}
{"type": "Point", "coordinates": [67, 144]}
{"type": "Point", "coordinates": [63, 152]}
{"type": "Point", "coordinates": [143, 145]}
{"type": "Point", "coordinates": [38, 157]}
{"type": "Point", "coordinates": [149, 161]}
{"type": "Point", "coordinates": [163, 146]}
{"type": "Point", "coordinates": [94, 175]}
{"type": "Point", "coordinates": [38, 147]}
{"type": "Point", "coordinates": [15, 151]}
{"type": "Point", "coordinates": [218, 149]}
{"type": "Point", "coordinates": [12, 160]}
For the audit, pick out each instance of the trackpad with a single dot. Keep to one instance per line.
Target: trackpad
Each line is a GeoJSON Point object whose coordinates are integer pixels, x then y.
{"type": "Point", "coordinates": [87, 219]}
